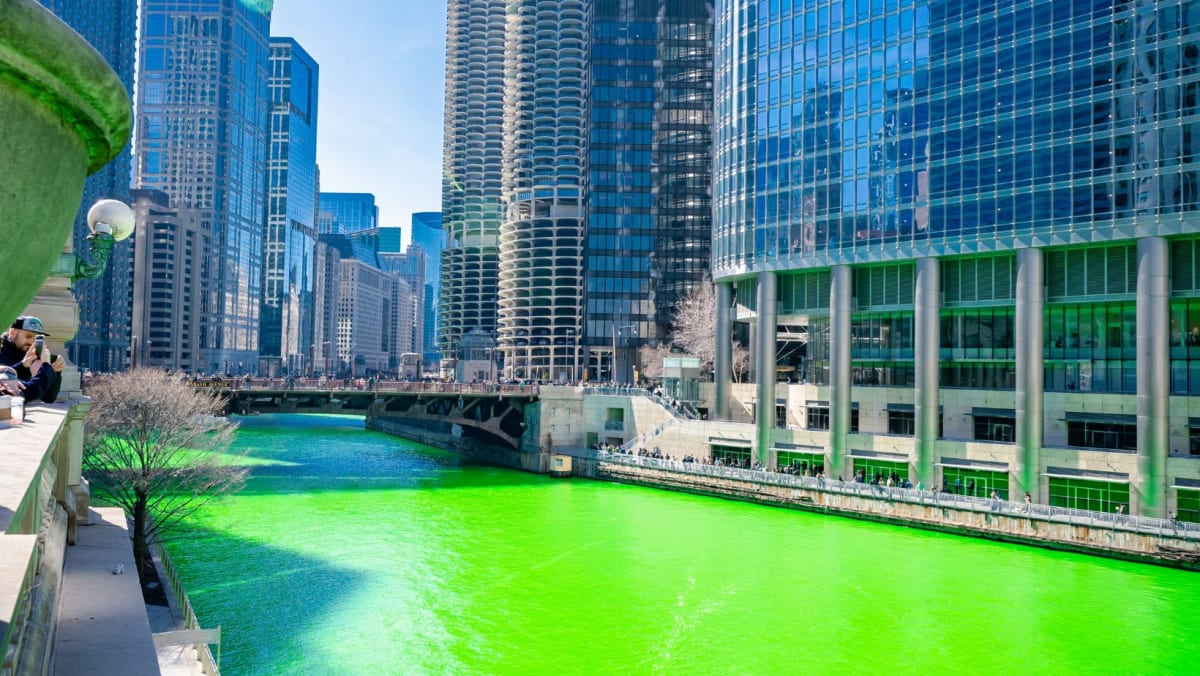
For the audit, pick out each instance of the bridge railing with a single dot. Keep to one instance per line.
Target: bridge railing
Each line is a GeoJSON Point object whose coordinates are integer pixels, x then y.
{"type": "Point", "coordinates": [358, 385]}
{"type": "Point", "coordinates": [1080, 517]}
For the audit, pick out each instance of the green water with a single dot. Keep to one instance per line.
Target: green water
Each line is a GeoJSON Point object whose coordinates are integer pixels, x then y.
{"type": "Point", "coordinates": [351, 552]}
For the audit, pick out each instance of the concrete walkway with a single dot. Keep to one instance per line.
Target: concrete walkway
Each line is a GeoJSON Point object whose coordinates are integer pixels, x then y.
{"type": "Point", "coordinates": [102, 623]}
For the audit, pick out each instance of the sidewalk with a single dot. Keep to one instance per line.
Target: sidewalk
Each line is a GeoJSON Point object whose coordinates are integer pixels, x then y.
{"type": "Point", "coordinates": [102, 623]}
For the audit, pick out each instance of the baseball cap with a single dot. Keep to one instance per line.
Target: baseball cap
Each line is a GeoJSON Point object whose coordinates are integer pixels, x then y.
{"type": "Point", "coordinates": [31, 324]}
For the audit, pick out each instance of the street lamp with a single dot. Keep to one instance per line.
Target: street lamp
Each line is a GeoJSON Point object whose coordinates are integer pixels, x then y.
{"type": "Point", "coordinates": [110, 221]}
{"type": "Point", "coordinates": [617, 328]}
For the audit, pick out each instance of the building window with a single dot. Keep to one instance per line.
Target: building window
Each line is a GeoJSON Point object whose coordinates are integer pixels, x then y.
{"type": "Point", "coordinates": [994, 428]}
{"type": "Point", "coordinates": [733, 456]}
{"type": "Point", "coordinates": [1194, 439]}
{"type": "Point", "coordinates": [974, 482]}
{"type": "Point", "coordinates": [1188, 508]}
{"type": "Point", "coordinates": [806, 464]}
{"type": "Point", "coordinates": [1098, 496]}
{"type": "Point", "coordinates": [901, 422]}
{"type": "Point", "coordinates": [818, 418]}
{"type": "Point", "coordinates": [872, 471]}
{"type": "Point", "coordinates": [1097, 434]}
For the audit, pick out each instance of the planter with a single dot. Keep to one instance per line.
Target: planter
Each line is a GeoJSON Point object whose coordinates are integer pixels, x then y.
{"type": "Point", "coordinates": [63, 115]}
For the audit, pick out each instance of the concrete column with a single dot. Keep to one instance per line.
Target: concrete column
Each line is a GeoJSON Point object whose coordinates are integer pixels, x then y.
{"type": "Point", "coordinates": [1031, 284]}
{"type": "Point", "coordinates": [723, 366]}
{"type": "Point", "coordinates": [841, 307]}
{"type": "Point", "coordinates": [764, 421]}
{"type": "Point", "coordinates": [926, 341]}
{"type": "Point", "coordinates": [1153, 374]}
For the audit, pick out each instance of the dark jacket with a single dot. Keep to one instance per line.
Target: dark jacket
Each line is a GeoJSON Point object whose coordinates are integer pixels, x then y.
{"type": "Point", "coordinates": [40, 386]}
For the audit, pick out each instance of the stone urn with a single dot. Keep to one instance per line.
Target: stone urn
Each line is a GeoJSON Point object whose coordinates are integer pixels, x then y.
{"type": "Point", "coordinates": [63, 115]}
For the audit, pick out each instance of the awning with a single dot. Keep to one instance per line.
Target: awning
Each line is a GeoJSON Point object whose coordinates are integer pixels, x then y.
{"type": "Point", "coordinates": [1187, 484]}
{"type": "Point", "coordinates": [909, 408]}
{"type": "Point", "coordinates": [1193, 422]}
{"type": "Point", "coordinates": [796, 448]}
{"type": "Point", "coordinates": [973, 464]}
{"type": "Point", "coordinates": [1066, 473]}
{"type": "Point", "coordinates": [825, 404]}
{"type": "Point", "coordinates": [979, 411]}
{"type": "Point", "coordinates": [1115, 418]}
{"type": "Point", "coordinates": [740, 443]}
{"type": "Point", "coordinates": [878, 455]}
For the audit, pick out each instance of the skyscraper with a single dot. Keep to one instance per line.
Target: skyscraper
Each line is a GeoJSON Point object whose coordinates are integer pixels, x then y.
{"type": "Point", "coordinates": [471, 180]}
{"type": "Point", "coordinates": [985, 220]}
{"type": "Point", "coordinates": [104, 303]}
{"type": "Point", "coordinates": [201, 137]}
{"type": "Point", "coordinates": [342, 213]}
{"type": "Point", "coordinates": [428, 233]}
{"type": "Point", "coordinates": [285, 336]}
{"type": "Point", "coordinates": [649, 208]}
{"type": "Point", "coordinates": [541, 238]}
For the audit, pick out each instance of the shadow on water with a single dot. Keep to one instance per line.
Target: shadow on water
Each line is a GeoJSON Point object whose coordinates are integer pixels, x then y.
{"type": "Point", "coordinates": [338, 453]}
{"type": "Point", "coordinates": [254, 590]}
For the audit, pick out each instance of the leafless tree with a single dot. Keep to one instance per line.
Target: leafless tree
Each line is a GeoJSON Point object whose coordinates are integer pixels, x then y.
{"type": "Point", "coordinates": [650, 360]}
{"type": "Point", "coordinates": [695, 330]}
{"type": "Point", "coordinates": [158, 448]}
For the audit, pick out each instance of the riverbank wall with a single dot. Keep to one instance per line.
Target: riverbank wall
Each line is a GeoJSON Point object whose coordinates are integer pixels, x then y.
{"type": "Point", "coordinates": [1112, 536]}
{"type": "Point", "coordinates": [450, 437]}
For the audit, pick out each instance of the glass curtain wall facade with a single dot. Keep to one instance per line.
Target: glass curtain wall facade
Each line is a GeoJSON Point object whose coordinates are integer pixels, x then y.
{"type": "Point", "coordinates": [102, 341]}
{"type": "Point", "coordinates": [1019, 182]}
{"type": "Point", "coordinates": [345, 212]}
{"type": "Point", "coordinates": [201, 137]}
{"type": "Point", "coordinates": [427, 231]}
{"type": "Point", "coordinates": [471, 178]}
{"type": "Point", "coordinates": [286, 333]}
{"type": "Point", "coordinates": [649, 222]}
{"type": "Point", "coordinates": [541, 237]}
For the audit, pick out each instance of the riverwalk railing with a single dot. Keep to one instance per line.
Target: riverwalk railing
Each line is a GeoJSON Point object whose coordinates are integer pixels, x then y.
{"type": "Point", "coordinates": [208, 664]}
{"type": "Point", "coordinates": [1080, 517]}
{"type": "Point", "coordinates": [678, 409]}
{"type": "Point", "coordinates": [361, 385]}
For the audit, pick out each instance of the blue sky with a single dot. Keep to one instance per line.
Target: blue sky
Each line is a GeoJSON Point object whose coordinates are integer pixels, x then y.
{"type": "Point", "coordinates": [379, 126]}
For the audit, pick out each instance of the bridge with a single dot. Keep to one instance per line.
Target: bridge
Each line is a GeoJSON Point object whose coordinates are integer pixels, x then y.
{"type": "Point", "coordinates": [490, 412]}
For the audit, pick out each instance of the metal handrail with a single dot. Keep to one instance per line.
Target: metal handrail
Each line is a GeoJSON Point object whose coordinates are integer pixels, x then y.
{"type": "Point", "coordinates": [208, 664]}
{"type": "Point", "coordinates": [1139, 524]}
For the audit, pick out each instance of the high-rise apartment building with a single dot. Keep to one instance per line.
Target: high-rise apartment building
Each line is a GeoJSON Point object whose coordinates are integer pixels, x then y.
{"type": "Point", "coordinates": [649, 209]}
{"type": "Point", "coordinates": [286, 324]}
{"type": "Point", "coordinates": [984, 219]}
{"type": "Point", "coordinates": [168, 283]}
{"type": "Point", "coordinates": [103, 339]}
{"type": "Point", "coordinates": [201, 137]}
{"type": "Point", "coordinates": [427, 232]}
{"type": "Point", "coordinates": [342, 213]}
{"type": "Point", "coordinates": [471, 179]}
{"type": "Point", "coordinates": [541, 236]}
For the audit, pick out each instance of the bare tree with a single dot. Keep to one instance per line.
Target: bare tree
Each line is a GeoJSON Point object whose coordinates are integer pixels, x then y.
{"type": "Point", "coordinates": [157, 448]}
{"type": "Point", "coordinates": [650, 359]}
{"type": "Point", "coordinates": [695, 331]}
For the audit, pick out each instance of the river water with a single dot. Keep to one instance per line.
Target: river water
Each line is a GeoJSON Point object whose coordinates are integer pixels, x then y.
{"type": "Point", "coordinates": [352, 552]}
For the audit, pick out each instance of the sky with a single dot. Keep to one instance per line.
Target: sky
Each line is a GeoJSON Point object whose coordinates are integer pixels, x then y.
{"type": "Point", "coordinates": [379, 119]}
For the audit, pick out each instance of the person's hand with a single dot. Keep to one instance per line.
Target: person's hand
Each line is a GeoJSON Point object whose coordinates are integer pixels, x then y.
{"type": "Point", "coordinates": [57, 362]}
{"type": "Point", "coordinates": [11, 387]}
{"type": "Point", "coordinates": [30, 357]}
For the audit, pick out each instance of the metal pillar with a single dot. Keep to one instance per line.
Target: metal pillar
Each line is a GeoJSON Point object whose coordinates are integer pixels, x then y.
{"type": "Point", "coordinates": [723, 366]}
{"type": "Point", "coordinates": [764, 419]}
{"type": "Point", "coordinates": [1153, 373]}
{"type": "Point", "coordinates": [841, 307]}
{"type": "Point", "coordinates": [1031, 374]}
{"type": "Point", "coordinates": [927, 341]}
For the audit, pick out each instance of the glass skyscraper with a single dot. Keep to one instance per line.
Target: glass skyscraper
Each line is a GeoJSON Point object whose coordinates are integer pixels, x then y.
{"type": "Point", "coordinates": [286, 333]}
{"type": "Point", "coordinates": [471, 177]}
{"type": "Point", "coordinates": [977, 222]}
{"type": "Point", "coordinates": [428, 233]}
{"type": "Point", "coordinates": [342, 213]}
{"type": "Point", "coordinates": [649, 222]}
{"type": "Point", "coordinates": [102, 341]}
{"type": "Point", "coordinates": [201, 137]}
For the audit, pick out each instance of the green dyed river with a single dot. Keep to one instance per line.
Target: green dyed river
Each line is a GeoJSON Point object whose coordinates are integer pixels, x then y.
{"type": "Point", "coordinates": [351, 552]}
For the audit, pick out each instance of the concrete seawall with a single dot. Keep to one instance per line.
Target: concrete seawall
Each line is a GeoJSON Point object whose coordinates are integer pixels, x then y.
{"type": "Point", "coordinates": [447, 437]}
{"type": "Point", "coordinates": [996, 520]}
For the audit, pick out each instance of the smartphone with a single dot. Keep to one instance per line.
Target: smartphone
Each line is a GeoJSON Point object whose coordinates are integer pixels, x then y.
{"type": "Point", "coordinates": [39, 344]}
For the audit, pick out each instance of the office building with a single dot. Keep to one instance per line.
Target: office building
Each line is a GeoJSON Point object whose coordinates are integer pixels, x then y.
{"type": "Point", "coordinates": [343, 213]}
{"type": "Point", "coordinates": [984, 220]}
{"type": "Point", "coordinates": [427, 232]}
{"type": "Point", "coordinates": [471, 180]}
{"type": "Point", "coordinates": [201, 137]}
{"type": "Point", "coordinates": [649, 223]}
{"type": "Point", "coordinates": [168, 284]}
{"type": "Point", "coordinates": [541, 235]}
{"type": "Point", "coordinates": [285, 333]}
{"type": "Point", "coordinates": [102, 342]}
